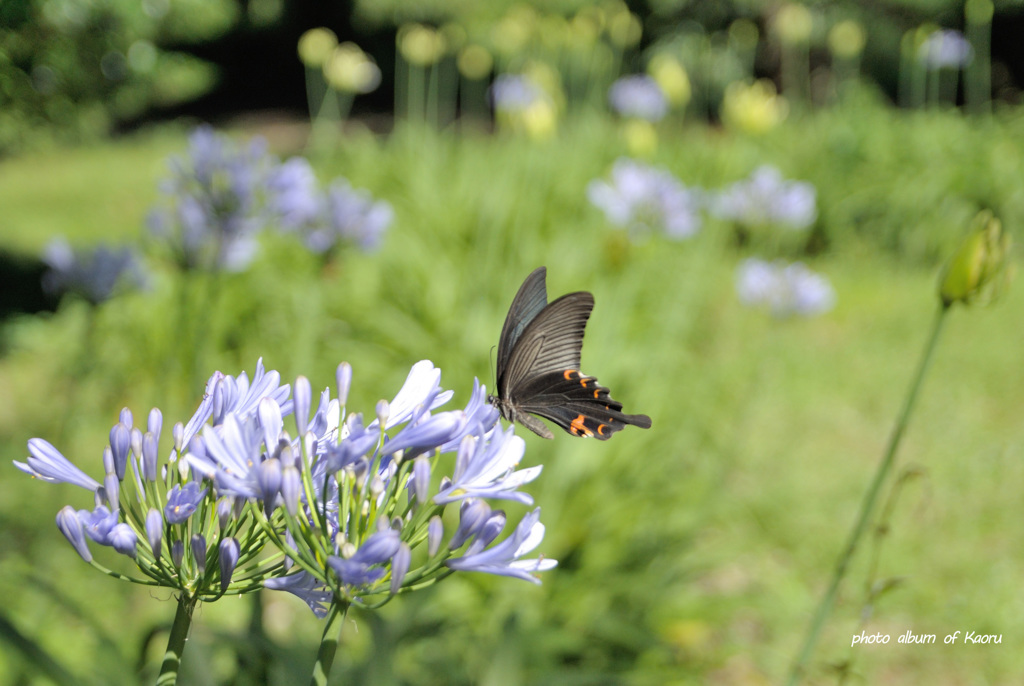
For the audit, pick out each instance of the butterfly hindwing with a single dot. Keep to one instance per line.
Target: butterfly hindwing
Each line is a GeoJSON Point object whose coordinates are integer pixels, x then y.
{"type": "Point", "coordinates": [578, 404]}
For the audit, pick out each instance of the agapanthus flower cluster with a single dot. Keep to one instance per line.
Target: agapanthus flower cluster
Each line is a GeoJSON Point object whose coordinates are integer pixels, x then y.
{"type": "Point", "coordinates": [182, 531]}
{"type": "Point", "coordinates": [766, 199]}
{"type": "Point", "coordinates": [95, 274]}
{"type": "Point", "coordinates": [945, 49]}
{"type": "Point", "coordinates": [213, 202]}
{"type": "Point", "coordinates": [325, 220]}
{"type": "Point", "coordinates": [646, 199]}
{"type": "Point", "coordinates": [343, 511]}
{"type": "Point", "coordinates": [783, 289]}
{"type": "Point", "coordinates": [638, 96]}
{"type": "Point", "coordinates": [222, 195]}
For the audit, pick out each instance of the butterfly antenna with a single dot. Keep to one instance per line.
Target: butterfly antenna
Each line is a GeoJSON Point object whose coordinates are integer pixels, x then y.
{"type": "Point", "coordinates": [492, 367]}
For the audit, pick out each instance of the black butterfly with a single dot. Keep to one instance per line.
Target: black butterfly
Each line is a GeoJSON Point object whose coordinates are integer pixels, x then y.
{"type": "Point", "coordinates": [539, 367]}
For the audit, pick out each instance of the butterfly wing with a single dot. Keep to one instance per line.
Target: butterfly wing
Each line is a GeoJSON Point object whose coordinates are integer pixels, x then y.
{"type": "Point", "coordinates": [528, 303]}
{"type": "Point", "coordinates": [551, 342]}
{"type": "Point", "coordinates": [538, 367]}
{"type": "Point", "coordinates": [578, 404]}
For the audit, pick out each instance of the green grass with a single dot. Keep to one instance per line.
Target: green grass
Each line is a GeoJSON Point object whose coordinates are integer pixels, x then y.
{"type": "Point", "coordinates": [694, 552]}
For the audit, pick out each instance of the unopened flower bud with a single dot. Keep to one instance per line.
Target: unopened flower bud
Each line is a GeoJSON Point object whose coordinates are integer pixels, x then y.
{"type": "Point", "coordinates": [120, 442]}
{"type": "Point", "coordinates": [113, 489]}
{"type": "Point", "coordinates": [229, 552]}
{"type": "Point", "coordinates": [70, 525]}
{"type": "Point", "coordinates": [435, 532]}
{"type": "Point", "coordinates": [155, 422]}
{"type": "Point", "coordinates": [123, 539]}
{"type": "Point", "coordinates": [315, 46]}
{"type": "Point", "coordinates": [400, 566]}
{"type": "Point", "coordinates": [978, 269]}
{"type": "Point", "coordinates": [177, 553]}
{"type": "Point", "coordinates": [301, 397]}
{"type": "Point", "coordinates": [291, 489]}
{"type": "Point", "coordinates": [421, 479]}
{"type": "Point", "coordinates": [154, 531]}
{"type": "Point", "coordinates": [199, 551]}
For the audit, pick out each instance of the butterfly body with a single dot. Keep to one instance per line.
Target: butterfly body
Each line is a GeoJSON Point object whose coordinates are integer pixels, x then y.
{"type": "Point", "coordinates": [539, 367]}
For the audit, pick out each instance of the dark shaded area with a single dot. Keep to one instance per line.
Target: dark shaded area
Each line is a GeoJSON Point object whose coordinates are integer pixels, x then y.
{"type": "Point", "coordinates": [1008, 54]}
{"type": "Point", "coordinates": [21, 287]}
{"type": "Point", "coordinates": [260, 69]}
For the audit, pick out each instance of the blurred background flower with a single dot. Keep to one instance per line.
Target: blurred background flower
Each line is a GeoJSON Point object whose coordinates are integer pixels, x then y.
{"type": "Point", "coordinates": [212, 206]}
{"type": "Point", "coordinates": [766, 199]}
{"type": "Point", "coordinates": [783, 289]}
{"type": "Point", "coordinates": [755, 108]}
{"type": "Point", "coordinates": [95, 274]}
{"type": "Point", "coordinates": [638, 96]}
{"type": "Point", "coordinates": [645, 199]}
{"type": "Point", "coordinates": [945, 49]}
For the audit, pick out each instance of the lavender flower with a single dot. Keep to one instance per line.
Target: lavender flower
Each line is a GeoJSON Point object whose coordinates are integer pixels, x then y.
{"type": "Point", "coordinates": [945, 49]}
{"type": "Point", "coordinates": [767, 199]}
{"type": "Point", "coordinates": [504, 558]}
{"type": "Point", "coordinates": [306, 587]}
{"type": "Point", "coordinates": [95, 274]}
{"type": "Point", "coordinates": [638, 96]}
{"type": "Point", "coordinates": [182, 502]}
{"type": "Point", "coordinates": [45, 462]}
{"type": "Point", "coordinates": [784, 289]}
{"type": "Point", "coordinates": [99, 523]}
{"type": "Point", "coordinates": [363, 567]}
{"type": "Point", "coordinates": [484, 469]}
{"type": "Point", "coordinates": [645, 199]}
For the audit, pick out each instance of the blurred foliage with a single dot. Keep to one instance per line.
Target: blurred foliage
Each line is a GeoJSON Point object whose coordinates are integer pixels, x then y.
{"type": "Point", "coordinates": [74, 69]}
{"type": "Point", "coordinates": [708, 13]}
{"type": "Point", "coordinates": [690, 553]}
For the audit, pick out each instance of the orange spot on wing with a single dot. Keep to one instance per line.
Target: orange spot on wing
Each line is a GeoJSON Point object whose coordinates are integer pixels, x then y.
{"type": "Point", "coordinates": [601, 428]}
{"type": "Point", "coordinates": [568, 374]}
{"type": "Point", "coordinates": [577, 427]}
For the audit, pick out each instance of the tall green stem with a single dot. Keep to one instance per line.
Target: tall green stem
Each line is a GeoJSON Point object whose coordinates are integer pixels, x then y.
{"type": "Point", "coordinates": [329, 643]}
{"type": "Point", "coordinates": [176, 642]}
{"type": "Point", "coordinates": [867, 505]}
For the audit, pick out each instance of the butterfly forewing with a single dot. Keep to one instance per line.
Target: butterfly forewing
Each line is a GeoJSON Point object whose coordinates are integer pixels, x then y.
{"type": "Point", "coordinates": [550, 343]}
{"type": "Point", "coordinates": [528, 303]}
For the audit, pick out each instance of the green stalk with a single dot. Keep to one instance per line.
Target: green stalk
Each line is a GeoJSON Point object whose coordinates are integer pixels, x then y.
{"type": "Point", "coordinates": [329, 643]}
{"type": "Point", "coordinates": [867, 505]}
{"type": "Point", "coordinates": [978, 74]}
{"type": "Point", "coordinates": [176, 642]}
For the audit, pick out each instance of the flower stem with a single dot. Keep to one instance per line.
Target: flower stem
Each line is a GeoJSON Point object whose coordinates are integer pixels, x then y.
{"type": "Point", "coordinates": [176, 642]}
{"type": "Point", "coordinates": [329, 643]}
{"type": "Point", "coordinates": [867, 505]}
